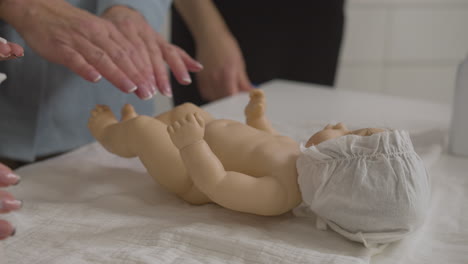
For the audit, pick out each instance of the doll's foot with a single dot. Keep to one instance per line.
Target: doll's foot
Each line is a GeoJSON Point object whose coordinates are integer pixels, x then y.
{"type": "Point", "coordinates": [101, 118]}
{"type": "Point", "coordinates": [187, 131]}
{"type": "Point", "coordinates": [128, 112]}
{"type": "Point", "coordinates": [256, 107]}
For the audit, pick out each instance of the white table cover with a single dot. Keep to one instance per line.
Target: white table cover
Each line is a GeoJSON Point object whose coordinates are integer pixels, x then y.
{"type": "Point", "coordinates": [89, 206]}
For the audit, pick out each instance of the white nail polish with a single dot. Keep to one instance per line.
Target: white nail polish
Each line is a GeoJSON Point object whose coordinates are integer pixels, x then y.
{"type": "Point", "coordinates": [187, 80]}
{"type": "Point", "coordinates": [133, 89]}
{"type": "Point", "coordinates": [154, 89]}
{"type": "Point", "coordinates": [147, 97]}
{"type": "Point", "coordinates": [13, 203]}
{"type": "Point", "coordinates": [12, 176]}
{"type": "Point", "coordinates": [97, 78]}
{"type": "Point", "coordinates": [4, 41]}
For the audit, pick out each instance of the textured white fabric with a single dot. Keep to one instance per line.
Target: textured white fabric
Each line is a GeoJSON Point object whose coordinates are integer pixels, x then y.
{"type": "Point", "coordinates": [89, 206]}
{"type": "Point", "coordinates": [371, 189]}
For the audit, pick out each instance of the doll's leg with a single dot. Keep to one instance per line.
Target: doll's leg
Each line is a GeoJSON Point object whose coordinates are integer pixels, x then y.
{"type": "Point", "coordinates": [233, 190]}
{"type": "Point", "coordinates": [181, 111]}
{"type": "Point", "coordinates": [255, 112]}
{"type": "Point", "coordinates": [147, 138]}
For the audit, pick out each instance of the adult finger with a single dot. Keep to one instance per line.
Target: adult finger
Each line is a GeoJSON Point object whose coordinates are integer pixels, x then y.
{"type": "Point", "coordinates": [176, 64]}
{"type": "Point", "coordinates": [7, 177]}
{"type": "Point", "coordinates": [16, 49]}
{"type": "Point", "coordinates": [5, 50]}
{"type": "Point", "coordinates": [230, 85]}
{"type": "Point", "coordinates": [191, 64]}
{"type": "Point", "coordinates": [6, 229]}
{"type": "Point", "coordinates": [142, 60]}
{"type": "Point", "coordinates": [159, 66]}
{"type": "Point", "coordinates": [206, 83]}
{"type": "Point", "coordinates": [105, 65]}
{"type": "Point", "coordinates": [136, 70]}
{"type": "Point", "coordinates": [121, 59]}
{"type": "Point", "coordinates": [77, 63]}
{"type": "Point", "coordinates": [8, 203]}
{"type": "Point", "coordinates": [244, 83]}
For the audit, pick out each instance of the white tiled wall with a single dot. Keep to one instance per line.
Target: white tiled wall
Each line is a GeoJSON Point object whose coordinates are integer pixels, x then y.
{"type": "Point", "coordinates": [404, 47]}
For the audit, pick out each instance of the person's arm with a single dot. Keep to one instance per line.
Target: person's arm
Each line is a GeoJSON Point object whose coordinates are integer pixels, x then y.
{"type": "Point", "coordinates": [95, 47]}
{"type": "Point", "coordinates": [224, 71]}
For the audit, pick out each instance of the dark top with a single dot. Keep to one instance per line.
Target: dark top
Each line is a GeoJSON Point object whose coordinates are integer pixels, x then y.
{"type": "Point", "coordinates": [299, 41]}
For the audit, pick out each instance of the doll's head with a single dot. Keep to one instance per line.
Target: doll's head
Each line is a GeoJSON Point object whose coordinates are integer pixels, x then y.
{"type": "Point", "coordinates": [338, 130]}
{"type": "Point", "coordinates": [368, 185]}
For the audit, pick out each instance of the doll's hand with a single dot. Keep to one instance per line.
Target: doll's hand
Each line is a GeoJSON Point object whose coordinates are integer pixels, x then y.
{"type": "Point", "coordinates": [187, 131]}
{"type": "Point", "coordinates": [256, 107]}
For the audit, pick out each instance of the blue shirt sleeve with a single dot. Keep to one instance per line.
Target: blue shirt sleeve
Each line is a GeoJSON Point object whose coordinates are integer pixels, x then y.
{"type": "Point", "coordinates": [154, 11]}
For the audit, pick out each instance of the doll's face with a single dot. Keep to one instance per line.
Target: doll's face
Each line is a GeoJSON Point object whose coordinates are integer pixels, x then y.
{"type": "Point", "coordinates": [338, 130]}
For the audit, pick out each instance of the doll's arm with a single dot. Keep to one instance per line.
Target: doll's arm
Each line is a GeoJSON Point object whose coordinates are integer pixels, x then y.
{"type": "Point", "coordinates": [255, 112]}
{"type": "Point", "coordinates": [233, 190]}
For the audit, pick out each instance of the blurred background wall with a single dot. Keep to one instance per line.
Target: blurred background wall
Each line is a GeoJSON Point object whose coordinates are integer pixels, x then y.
{"type": "Point", "coordinates": [407, 48]}
{"type": "Point", "coordinates": [404, 47]}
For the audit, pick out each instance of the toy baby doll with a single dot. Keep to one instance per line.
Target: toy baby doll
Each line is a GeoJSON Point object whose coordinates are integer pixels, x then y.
{"type": "Point", "coordinates": [368, 185]}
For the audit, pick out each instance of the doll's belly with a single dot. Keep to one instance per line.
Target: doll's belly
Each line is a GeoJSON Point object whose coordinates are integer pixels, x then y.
{"type": "Point", "coordinates": [248, 150]}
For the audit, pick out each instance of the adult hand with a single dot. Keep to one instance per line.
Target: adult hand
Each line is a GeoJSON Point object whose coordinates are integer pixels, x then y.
{"type": "Point", "coordinates": [153, 49]}
{"type": "Point", "coordinates": [90, 46]}
{"type": "Point", "coordinates": [224, 71]}
{"type": "Point", "coordinates": [9, 50]}
{"type": "Point", "coordinates": [7, 202]}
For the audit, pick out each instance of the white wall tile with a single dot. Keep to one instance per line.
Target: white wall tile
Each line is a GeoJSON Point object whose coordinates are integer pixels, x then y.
{"type": "Point", "coordinates": [360, 78]}
{"type": "Point", "coordinates": [429, 34]}
{"type": "Point", "coordinates": [423, 82]}
{"type": "Point", "coordinates": [364, 38]}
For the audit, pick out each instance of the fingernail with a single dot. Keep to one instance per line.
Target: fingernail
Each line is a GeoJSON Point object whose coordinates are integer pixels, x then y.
{"type": "Point", "coordinates": [167, 90]}
{"type": "Point", "coordinates": [199, 65]}
{"type": "Point", "coordinates": [11, 204]}
{"type": "Point", "coordinates": [10, 179]}
{"type": "Point", "coordinates": [2, 40]}
{"type": "Point", "coordinates": [13, 233]}
{"type": "Point", "coordinates": [95, 76]}
{"type": "Point", "coordinates": [154, 89]}
{"type": "Point", "coordinates": [187, 79]}
{"type": "Point", "coordinates": [128, 86]}
{"type": "Point", "coordinates": [147, 96]}
{"type": "Point", "coordinates": [146, 90]}
{"type": "Point", "coordinates": [153, 80]}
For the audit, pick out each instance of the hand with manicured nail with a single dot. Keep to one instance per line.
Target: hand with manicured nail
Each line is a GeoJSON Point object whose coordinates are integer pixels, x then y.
{"type": "Point", "coordinates": [151, 51]}
{"type": "Point", "coordinates": [9, 50]}
{"type": "Point", "coordinates": [224, 72]}
{"type": "Point", "coordinates": [92, 46]}
{"type": "Point", "coordinates": [8, 203]}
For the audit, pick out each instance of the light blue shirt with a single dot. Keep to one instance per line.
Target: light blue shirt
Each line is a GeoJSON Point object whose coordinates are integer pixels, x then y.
{"type": "Point", "coordinates": [44, 107]}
